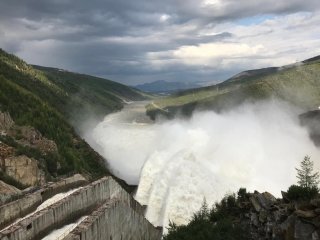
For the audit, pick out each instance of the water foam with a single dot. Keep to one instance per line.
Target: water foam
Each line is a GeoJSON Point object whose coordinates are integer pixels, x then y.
{"type": "Point", "coordinates": [182, 161]}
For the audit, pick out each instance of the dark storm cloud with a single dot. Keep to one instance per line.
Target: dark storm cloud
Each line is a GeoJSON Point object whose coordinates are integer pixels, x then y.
{"type": "Point", "coordinates": [115, 38]}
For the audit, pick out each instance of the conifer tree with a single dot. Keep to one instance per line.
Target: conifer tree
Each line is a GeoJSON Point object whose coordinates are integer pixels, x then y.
{"type": "Point", "coordinates": [306, 176]}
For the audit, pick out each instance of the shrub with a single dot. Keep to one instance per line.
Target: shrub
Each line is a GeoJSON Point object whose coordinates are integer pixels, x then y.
{"type": "Point", "coordinates": [302, 193]}
{"type": "Point", "coordinates": [226, 208]}
{"type": "Point", "coordinates": [242, 194]}
{"type": "Point", "coordinates": [216, 223]}
{"type": "Point", "coordinates": [306, 176]}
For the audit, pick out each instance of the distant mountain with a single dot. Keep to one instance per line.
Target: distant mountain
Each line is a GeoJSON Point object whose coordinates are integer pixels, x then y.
{"type": "Point", "coordinates": [297, 83]}
{"type": "Point", "coordinates": [162, 86]}
{"type": "Point", "coordinates": [43, 106]}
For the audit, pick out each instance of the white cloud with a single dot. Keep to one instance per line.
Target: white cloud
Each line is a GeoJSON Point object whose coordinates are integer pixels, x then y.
{"type": "Point", "coordinates": [274, 42]}
{"type": "Point", "coordinates": [164, 17]}
{"type": "Point", "coordinates": [204, 53]}
{"type": "Point", "coordinates": [174, 37]}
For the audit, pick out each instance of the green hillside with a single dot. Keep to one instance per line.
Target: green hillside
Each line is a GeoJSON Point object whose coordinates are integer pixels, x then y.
{"type": "Point", "coordinates": [298, 84]}
{"type": "Point", "coordinates": [87, 95]}
{"type": "Point", "coordinates": [47, 99]}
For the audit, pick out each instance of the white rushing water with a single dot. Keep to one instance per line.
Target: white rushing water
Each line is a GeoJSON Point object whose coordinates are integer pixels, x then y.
{"type": "Point", "coordinates": [177, 163]}
{"type": "Point", "coordinates": [55, 199]}
{"type": "Point", "coordinates": [64, 231]}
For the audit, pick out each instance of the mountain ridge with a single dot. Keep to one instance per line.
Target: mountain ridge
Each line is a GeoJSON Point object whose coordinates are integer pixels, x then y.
{"type": "Point", "coordinates": [296, 83]}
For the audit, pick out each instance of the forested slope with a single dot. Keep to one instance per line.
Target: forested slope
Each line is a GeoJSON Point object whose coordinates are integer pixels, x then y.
{"type": "Point", "coordinates": [47, 99]}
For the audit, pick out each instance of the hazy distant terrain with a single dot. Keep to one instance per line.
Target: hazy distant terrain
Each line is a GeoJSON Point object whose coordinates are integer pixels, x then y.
{"type": "Point", "coordinates": [162, 86]}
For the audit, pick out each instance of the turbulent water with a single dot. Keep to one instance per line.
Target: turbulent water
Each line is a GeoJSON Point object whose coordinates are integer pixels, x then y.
{"type": "Point", "coordinates": [64, 231]}
{"type": "Point", "coordinates": [178, 163]}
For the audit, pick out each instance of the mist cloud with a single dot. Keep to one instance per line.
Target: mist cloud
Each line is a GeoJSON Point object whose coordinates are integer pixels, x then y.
{"type": "Point", "coordinates": [179, 162]}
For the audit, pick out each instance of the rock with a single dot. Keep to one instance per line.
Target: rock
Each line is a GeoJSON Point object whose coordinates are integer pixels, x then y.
{"type": "Point", "coordinates": [276, 232]}
{"type": "Point", "coordinates": [263, 215]}
{"type": "Point", "coordinates": [303, 205]}
{"type": "Point", "coordinates": [7, 191]}
{"type": "Point", "coordinates": [315, 202]}
{"type": "Point", "coordinates": [24, 170]}
{"type": "Point", "coordinates": [315, 235]}
{"type": "Point", "coordinates": [303, 231]}
{"type": "Point", "coordinates": [280, 215]}
{"type": "Point", "coordinates": [254, 219]}
{"type": "Point", "coordinates": [29, 136]}
{"type": "Point", "coordinates": [262, 200]}
{"type": "Point", "coordinates": [5, 151]}
{"type": "Point", "coordinates": [267, 199]}
{"type": "Point", "coordinates": [6, 122]}
{"type": "Point", "coordinates": [256, 204]}
{"type": "Point", "coordinates": [305, 214]}
{"type": "Point", "coordinates": [287, 228]}
{"type": "Point", "coordinates": [270, 219]}
{"type": "Point", "coordinates": [285, 196]}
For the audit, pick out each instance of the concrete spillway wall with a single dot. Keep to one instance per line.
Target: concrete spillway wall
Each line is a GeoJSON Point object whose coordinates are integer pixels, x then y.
{"type": "Point", "coordinates": [63, 185]}
{"type": "Point", "coordinates": [115, 220]}
{"type": "Point", "coordinates": [21, 207]}
{"type": "Point", "coordinates": [11, 211]}
{"type": "Point", "coordinates": [77, 204]}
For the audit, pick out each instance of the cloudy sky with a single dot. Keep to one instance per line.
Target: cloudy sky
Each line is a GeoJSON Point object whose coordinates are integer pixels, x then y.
{"type": "Point", "coordinates": [146, 40]}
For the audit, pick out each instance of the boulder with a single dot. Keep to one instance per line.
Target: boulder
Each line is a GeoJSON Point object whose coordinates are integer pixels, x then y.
{"type": "Point", "coordinates": [6, 122]}
{"type": "Point", "coordinates": [5, 151]}
{"type": "Point", "coordinates": [305, 214]}
{"type": "Point", "coordinates": [24, 170]}
{"type": "Point", "coordinates": [254, 219]}
{"type": "Point", "coordinates": [287, 228]}
{"type": "Point", "coordinates": [263, 215]}
{"type": "Point", "coordinates": [303, 205]}
{"type": "Point", "coordinates": [262, 200]}
{"type": "Point", "coordinates": [256, 204]}
{"type": "Point", "coordinates": [303, 231]}
{"type": "Point", "coordinates": [280, 215]}
{"type": "Point", "coordinates": [7, 191]}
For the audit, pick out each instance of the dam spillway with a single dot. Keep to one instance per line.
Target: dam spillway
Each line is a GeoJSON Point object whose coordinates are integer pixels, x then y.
{"type": "Point", "coordinates": [111, 212]}
{"type": "Point", "coordinates": [24, 205]}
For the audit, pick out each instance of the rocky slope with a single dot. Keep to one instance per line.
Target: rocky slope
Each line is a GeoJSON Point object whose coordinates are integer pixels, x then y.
{"type": "Point", "coordinates": [255, 216]}
{"type": "Point", "coordinates": [14, 164]}
{"type": "Point", "coordinates": [269, 218]}
{"type": "Point", "coordinates": [40, 109]}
